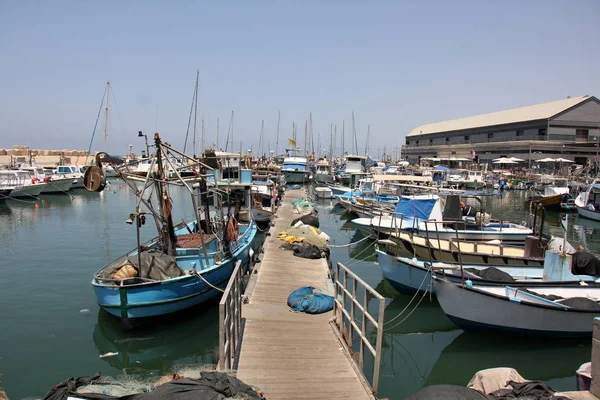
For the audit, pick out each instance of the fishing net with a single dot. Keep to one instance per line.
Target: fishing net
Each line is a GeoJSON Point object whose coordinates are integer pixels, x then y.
{"type": "Point", "coordinates": [302, 206]}
{"type": "Point", "coordinates": [306, 234]}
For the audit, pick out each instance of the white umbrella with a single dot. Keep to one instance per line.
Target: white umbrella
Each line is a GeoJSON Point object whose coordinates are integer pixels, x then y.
{"type": "Point", "coordinates": [546, 160]}
{"type": "Point", "coordinates": [516, 159]}
{"type": "Point", "coordinates": [504, 160]}
{"type": "Point", "coordinates": [563, 160]}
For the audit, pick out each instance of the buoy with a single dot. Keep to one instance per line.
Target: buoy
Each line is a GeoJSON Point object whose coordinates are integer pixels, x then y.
{"type": "Point", "coordinates": [126, 271]}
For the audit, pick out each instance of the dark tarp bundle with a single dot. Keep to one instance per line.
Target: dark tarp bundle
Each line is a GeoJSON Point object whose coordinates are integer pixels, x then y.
{"type": "Point", "coordinates": [307, 299]}
{"type": "Point", "coordinates": [210, 386]}
{"type": "Point", "coordinates": [310, 251]}
{"type": "Point", "coordinates": [584, 263]}
{"type": "Point", "coordinates": [307, 220]}
{"type": "Point", "coordinates": [529, 389]}
{"type": "Point", "coordinates": [69, 386]}
{"type": "Point", "coordinates": [155, 265]}
{"type": "Point", "coordinates": [491, 274]}
{"type": "Point", "coordinates": [447, 392]}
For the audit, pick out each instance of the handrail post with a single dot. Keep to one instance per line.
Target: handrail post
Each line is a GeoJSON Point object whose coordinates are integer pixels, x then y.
{"type": "Point", "coordinates": [230, 319]}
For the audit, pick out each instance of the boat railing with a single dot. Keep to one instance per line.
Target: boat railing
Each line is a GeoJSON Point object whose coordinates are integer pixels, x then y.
{"type": "Point", "coordinates": [230, 320]}
{"type": "Point", "coordinates": [352, 317]}
{"type": "Point", "coordinates": [439, 245]}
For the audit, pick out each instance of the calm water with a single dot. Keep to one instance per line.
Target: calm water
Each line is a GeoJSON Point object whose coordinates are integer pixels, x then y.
{"type": "Point", "coordinates": [50, 252]}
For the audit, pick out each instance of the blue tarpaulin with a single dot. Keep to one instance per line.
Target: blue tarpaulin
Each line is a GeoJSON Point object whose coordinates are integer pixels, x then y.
{"type": "Point", "coordinates": [442, 168]}
{"type": "Point", "coordinates": [310, 300]}
{"type": "Point", "coordinates": [415, 208]}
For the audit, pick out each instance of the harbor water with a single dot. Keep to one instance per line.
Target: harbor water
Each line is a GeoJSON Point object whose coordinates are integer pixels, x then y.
{"type": "Point", "coordinates": [52, 328]}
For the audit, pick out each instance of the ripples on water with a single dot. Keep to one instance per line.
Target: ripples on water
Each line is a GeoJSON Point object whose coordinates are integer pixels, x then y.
{"type": "Point", "coordinates": [49, 254]}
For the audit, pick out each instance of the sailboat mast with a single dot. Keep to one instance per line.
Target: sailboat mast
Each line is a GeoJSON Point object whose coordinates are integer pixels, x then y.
{"type": "Point", "coordinates": [195, 113]}
{"type": "Point", "coordinates": [261, 144]}
{"type": "Point", "coordinates": [277, 137]}
{"type": "Point", "coordinates": [311, 136]}
{"type": "Point", "coordinates": [201, 152]}
{"type": "Point", "coordinates": [217, 140]}
{"type": "Point", "coordinates": [305, 138]}
{"type": "Point", "coordinates": [367, 141]}
{"type": "Point", "coordinates": [106, 115]}
{"type": "Point", "coordinates": [330, 142]}
{"type": "Point", "coordinates": [343, 136]}
{"type": "Point", "coordinates": [354, 142]}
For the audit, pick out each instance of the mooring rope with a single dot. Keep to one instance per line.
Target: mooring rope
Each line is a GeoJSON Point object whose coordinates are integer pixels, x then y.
{"type": "Point", "coordinates": [350, 244]}
{"type": "Point", "coordinates": [411, 300]}
{"type": "Point", "coordinates": [207, 282]}
{"type": "Point", "coordinates": [348, 264]}
{"type": "Point", "coordinates": [15, 199]}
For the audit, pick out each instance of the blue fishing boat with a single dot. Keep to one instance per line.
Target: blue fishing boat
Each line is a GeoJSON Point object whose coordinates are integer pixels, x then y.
{"type": "Point", "coordinates": [187, 264]}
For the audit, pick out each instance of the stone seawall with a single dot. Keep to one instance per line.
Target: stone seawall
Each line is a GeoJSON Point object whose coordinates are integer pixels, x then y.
{"type": "Point", "coordinates": [22, 154]}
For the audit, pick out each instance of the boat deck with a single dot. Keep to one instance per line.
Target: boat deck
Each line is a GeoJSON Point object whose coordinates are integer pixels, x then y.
{"type": "Point", "coordinates": [293, 355]}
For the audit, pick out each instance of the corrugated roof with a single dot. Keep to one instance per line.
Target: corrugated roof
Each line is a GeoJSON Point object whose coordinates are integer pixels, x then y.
{"type": "Point", "coordinates": [529, 113]}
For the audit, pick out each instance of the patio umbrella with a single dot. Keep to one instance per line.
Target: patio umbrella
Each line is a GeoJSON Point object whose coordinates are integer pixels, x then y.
{"type": "Point", "coordinates": [546, 160]}
{"type": "Point", "coordinates": [516, 159]}
{"type": "Point", "coordinates": [504, 161]}
{"type": "Point", "coordinates": [563, 160]}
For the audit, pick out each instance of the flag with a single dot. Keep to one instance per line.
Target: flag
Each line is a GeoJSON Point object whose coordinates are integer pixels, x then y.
{"type": "Point", "coordinates": [291, 142]}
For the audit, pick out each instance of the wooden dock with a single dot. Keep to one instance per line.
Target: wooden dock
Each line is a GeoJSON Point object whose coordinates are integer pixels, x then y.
{"type": "Point", "coordinates": [293, 355]}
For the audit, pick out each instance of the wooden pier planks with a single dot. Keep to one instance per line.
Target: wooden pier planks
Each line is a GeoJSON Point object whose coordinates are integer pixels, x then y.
{"type": "Point", "coordinates": [293, 355]}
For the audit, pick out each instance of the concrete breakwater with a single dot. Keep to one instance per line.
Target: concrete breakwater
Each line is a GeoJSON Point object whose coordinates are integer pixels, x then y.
{"type": "Point", "coordinates": [24, 154]}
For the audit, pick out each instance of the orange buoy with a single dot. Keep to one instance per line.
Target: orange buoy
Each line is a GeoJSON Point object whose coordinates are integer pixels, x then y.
{"type": "Point", "coordinates": [126, 271]}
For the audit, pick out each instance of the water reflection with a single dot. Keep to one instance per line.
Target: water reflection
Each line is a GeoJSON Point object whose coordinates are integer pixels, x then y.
{"type": "Point", "coordinates": [534, 358]}
{"type": "Point", "coordinates": [184, 338]}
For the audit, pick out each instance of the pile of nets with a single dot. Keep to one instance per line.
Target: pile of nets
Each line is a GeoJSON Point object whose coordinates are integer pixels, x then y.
{"type": "Point", "coordinates": [302, 205]}
{"type": "Point", "coordinates": [305, 234]}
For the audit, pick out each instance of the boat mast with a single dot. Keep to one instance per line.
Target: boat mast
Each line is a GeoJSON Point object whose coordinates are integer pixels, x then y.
{"type": "Point", "coordinates": [367, 141]}
{"type": "Point", "coordinates": [311, 136]}
{"type": "Point", "coordinates": [167, 228]}
{"type": "Point", "coordinates": [330, 142]}
{"type": "Point", "coordinates": [343, 134]}
{"type": "Point", "coordinates": [217, 141]}
{"type": "Point", "coordinates": [277, 137]}
{"type": "Point", "coordinates": [305, 138]}
{"type": "Point", "coordinates": [106, 115]}
{"type": "Point", "coordinates": [195, 114]}
{"type": "Point", "coordinates": [261, 140]}
{"type": "Point", "coordinates": [354, 142]}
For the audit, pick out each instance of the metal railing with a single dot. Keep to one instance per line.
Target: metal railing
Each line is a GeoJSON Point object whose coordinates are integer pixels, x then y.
{"type": "Point", "coordinates": [230, 319]}
{"type": "Point", "coordinates": [345, 321]}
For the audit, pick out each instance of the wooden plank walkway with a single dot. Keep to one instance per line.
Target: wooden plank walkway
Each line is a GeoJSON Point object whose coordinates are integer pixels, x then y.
{"type": "Point", "coordinates": [293, 355]}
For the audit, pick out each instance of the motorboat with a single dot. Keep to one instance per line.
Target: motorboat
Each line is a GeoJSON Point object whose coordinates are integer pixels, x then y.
{"type": "Point", "coordinates": [474, 180]}
{"type": "Point", "coordinates": [21, 183]}
{"type": "Point", "coordinates": [528, 310]}
{"type": "Point", "coordinates": [74, 172]}
{"type": "Point", "coordinates": [55, 184]}
{"type": "Point", "coordinates": [588, 202]}
{"type": "Point", "coordinates": [295, 169]}
{"type": "Point", "coordinates": [323, 192]}
{"type": "Point", "coordinates": [323, 172]}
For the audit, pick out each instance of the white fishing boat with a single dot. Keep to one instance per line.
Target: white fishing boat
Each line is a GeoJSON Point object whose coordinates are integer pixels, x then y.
{"type": "Point", "coordinates": [474, 179]}
{"type": "Point", "coordinates": [295, 168]}
{"type": "Point", "coordinates": [520, 310]}
{"type": "Point", "coordinates": [323, 172]}
{"type": "Point", "coordinates": [588, 202]}
{"type": "Point", "coordinates": [74, 172]}
{"type": "Point", "coordinates": [21, 183]}
{"type": "Point", "coordinates": [55, 183]}
{"type": "Point", "coordinates": [323, 193]}
{"type": "Point", "coordinates": [422, 214]}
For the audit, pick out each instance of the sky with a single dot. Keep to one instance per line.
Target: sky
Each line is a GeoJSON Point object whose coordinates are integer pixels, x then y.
{"type": "Point", "coordinates": [395, 64]}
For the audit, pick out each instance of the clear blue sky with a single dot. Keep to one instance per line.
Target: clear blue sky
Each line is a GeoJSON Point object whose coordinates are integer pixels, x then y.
{"type": "Point", "coordinates": [396, 64]}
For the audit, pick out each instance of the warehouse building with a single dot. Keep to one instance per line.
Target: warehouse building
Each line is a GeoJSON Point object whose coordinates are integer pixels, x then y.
{"type": "Point", "coordinates": [568, 128]}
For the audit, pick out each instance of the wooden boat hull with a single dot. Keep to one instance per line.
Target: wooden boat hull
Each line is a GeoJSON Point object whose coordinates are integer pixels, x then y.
{"type": "Point", "coordinates": [483, 254]}
{"type": "Point", "coordinates": [476, 311]}
{"type": "Point", "coordinates": [171, 295]}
